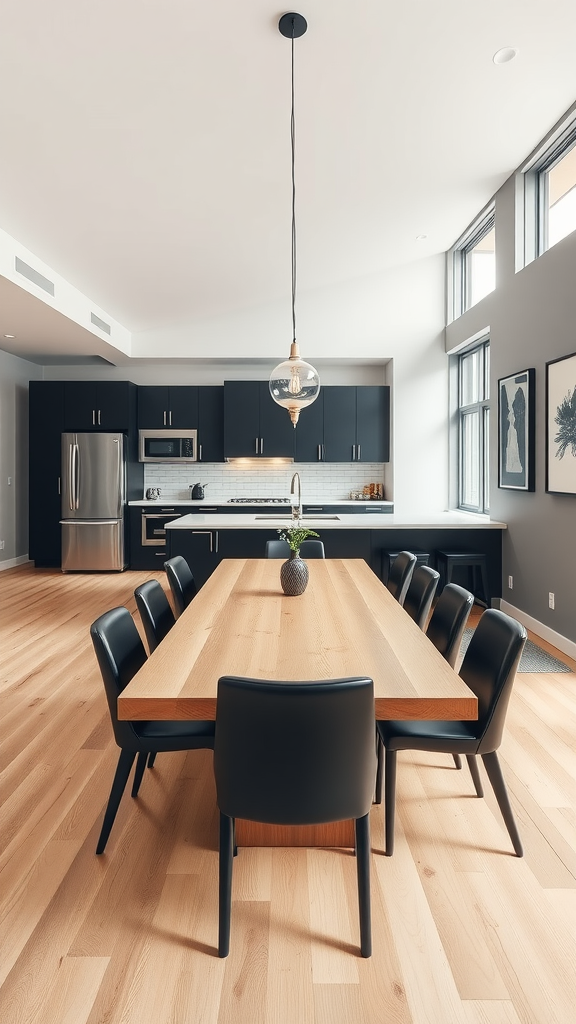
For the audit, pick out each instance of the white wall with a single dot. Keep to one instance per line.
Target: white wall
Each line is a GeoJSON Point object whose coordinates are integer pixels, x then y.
{"type": "Point", "coordinates": [14, 376]}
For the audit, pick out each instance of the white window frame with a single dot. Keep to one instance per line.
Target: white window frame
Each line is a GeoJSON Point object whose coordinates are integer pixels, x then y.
{"type": "Point", "coordinates": [459, 299]}
{"type": "Point", "coordinates": [534, 182]}
{"type": "Point", "coordinates": [482, 409]}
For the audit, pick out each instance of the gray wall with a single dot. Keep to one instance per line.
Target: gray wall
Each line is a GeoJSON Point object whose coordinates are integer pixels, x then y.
{"type": "Point", "coordinates": [14, 376]}
{"type": "Point", "coordinates": [531, 317]}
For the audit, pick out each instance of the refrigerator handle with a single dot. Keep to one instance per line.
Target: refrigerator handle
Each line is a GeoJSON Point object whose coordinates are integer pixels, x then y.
{"type": "Point", "coordinates": [76, 477]}
{"type": "Point", "coordinates": [71, 477]}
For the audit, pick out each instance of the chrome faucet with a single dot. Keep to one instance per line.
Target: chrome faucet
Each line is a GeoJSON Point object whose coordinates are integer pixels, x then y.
{"type": "Point", "coordinates": [296, 509]}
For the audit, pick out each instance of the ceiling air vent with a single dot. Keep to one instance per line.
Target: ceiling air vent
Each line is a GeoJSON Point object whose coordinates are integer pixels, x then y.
{"type": "Point", "coordinates": [100, 323]}
{"type": "Point", "coordinates": [34, 276]}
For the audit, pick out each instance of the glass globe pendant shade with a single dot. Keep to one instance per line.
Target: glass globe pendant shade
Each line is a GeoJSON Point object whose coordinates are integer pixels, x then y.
{"type": "Point", "coordinates": [294, 384]}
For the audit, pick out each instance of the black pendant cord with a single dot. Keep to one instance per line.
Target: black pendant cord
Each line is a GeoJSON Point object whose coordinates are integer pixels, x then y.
{"type": "Point", "coordinates": [292, 140]}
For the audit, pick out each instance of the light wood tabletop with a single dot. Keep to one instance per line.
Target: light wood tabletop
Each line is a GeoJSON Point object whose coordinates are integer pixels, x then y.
{"type": "Point", "coordinates": [345, 624]}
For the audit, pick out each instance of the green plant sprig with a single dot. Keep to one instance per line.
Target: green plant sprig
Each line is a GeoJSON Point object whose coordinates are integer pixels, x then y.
{"type": "Point", "coordinates": [294, 535]}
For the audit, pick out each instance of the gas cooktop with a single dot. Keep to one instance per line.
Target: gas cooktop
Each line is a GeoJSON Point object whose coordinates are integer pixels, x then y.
{"type": "Point", "coordinates": [259, 501]}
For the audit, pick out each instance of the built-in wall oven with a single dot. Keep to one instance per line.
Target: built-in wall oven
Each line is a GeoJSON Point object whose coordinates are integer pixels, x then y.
{"type": "Point", "coordinates": [154, 528]}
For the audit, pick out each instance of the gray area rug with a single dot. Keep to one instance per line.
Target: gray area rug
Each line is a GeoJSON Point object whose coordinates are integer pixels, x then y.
{"type": "Point", "coordinates": [533, 659]}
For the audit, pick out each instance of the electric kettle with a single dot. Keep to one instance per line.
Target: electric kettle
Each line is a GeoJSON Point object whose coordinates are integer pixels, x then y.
{"type": "Point", "coordinates": [197, 491]}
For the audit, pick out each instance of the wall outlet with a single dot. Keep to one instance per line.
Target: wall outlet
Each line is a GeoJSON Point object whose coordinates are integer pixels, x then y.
{"type": "Point", "coordinates": [551, 600]}
{"type": "Point", "coordinates": [510, 583]}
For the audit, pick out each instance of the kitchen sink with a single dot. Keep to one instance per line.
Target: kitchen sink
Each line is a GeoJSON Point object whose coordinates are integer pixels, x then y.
{"type": "Point", "coordinates": [302, 518]}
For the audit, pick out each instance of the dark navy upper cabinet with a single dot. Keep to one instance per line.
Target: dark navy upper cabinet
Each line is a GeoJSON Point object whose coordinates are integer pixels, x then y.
{"type": "Point", "coordinates": [357, 424]}
{"type": "Point", "coordinates": [99, 405]}
{"type": "Point", "coordinates": [168, 407]}
{"type": "Point", "coordinates": [309, 433]}
{"type": "Point", "coordinates": [211, 424]}
{"type": "Point", "coordinates": [254, 425]}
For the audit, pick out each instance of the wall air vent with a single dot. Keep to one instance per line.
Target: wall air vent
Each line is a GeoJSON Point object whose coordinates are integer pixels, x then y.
{"type": "Point", "coordinates": [34, 276]}
{"type": "Point", "coordinates": [100, 323]}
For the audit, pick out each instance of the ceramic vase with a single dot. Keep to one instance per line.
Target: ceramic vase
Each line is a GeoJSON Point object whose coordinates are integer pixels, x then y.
{"type": "Point", "coordinates": [294, 575]}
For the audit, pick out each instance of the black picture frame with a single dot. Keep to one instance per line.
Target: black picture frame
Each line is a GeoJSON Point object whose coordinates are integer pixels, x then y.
{"type": "Point", "coordinates": [517, 431]}
{"type": "Point", "coordinates": [561, 425]}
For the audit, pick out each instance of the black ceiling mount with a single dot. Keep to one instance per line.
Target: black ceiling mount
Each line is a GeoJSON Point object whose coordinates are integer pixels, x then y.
{"type": "Point", "coordinates": [292, 25]}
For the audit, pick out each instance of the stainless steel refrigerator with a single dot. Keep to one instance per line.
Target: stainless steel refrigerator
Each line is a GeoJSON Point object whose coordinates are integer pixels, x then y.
{"type": "Point", "coordinates": [93, 502]}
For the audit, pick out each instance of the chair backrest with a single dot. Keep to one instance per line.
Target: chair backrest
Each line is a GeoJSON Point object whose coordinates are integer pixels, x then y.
{"type": "Point", "coordinates": [420, 594]}
{"type": "Point", "coordinates": [295, 753]}
{"type": "Point", "coordinates": [400, 575]}
{"type": "Point", "coordinates": [489, 669]}
{"type": "Point", "coordinates": [155, 612]}
{"type": "Point", "coordinates": [182, 583]}
{"type": "Point", "coordinates": [312, 549]}
{"type": "Point", "coordinates": [277, 549]}
{"type": "Point", "coordinates": [448, 621]}
{"type": "Point", "coordinates": [120, 653]}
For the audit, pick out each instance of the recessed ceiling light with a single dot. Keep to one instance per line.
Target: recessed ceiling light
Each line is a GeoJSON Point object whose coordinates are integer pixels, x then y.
{"type": "Point", "coordinates": [505, 55]}
{"type": "Point", "coordinates": [420, 238]}
{"type": "Point", "coordinates": [9, 335]}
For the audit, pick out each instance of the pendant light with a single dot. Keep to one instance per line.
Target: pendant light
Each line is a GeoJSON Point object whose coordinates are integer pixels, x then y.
{"type": "Point", "coordinates": [294, 384]}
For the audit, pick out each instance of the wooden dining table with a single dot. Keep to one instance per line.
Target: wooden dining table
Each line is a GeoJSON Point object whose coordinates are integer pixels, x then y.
{"type": "Point", "coordinates": [346, 623]}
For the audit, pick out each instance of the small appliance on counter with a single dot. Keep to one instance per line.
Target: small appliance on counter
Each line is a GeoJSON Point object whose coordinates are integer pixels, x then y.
{"type": "Point", "coordinates": [197, 491]}
{"type": "Point", "coordinates": [153, 493]}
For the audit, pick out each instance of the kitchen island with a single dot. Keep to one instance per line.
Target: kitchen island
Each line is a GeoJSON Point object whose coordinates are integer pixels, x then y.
{"type": "Point", "coordinates": [205, 539]}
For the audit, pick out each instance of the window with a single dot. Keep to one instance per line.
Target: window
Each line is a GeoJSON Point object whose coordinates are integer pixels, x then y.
{"type": "Point", "coordinates": [474, 428]}
{"type": "Point", "coordinates": [550, 193]}
{"type": "Point", "coordinates": [474, 263]}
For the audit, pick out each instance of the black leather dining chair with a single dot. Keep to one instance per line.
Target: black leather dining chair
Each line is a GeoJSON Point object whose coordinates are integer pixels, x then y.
{"type": "Point", "coordinates": [155, 612]}
{"type": "Point", "coordinates": [420, 594]}
{"type": "Point", "coordinates": [294, 753]}
{"type": "Point", "coordinates": [489, 668]}
{"type": "Point", "coordinates": [277, 549]}
{"type": "Point", "coordinates": [120, 653]}
{"type": "Point", "coordinates": [182, 582]}
{"type": "Point", "coordinates": [400, 575]}
{"type": "Point", "coordinates": [448, 621]}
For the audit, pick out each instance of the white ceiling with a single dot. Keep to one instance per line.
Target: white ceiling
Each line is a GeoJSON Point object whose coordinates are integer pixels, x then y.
{"type": "Point", "coordinates": [145, 151]}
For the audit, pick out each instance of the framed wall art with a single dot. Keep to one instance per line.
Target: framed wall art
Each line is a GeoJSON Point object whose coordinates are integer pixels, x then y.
{"type": "Point", "coordinates": [516, 431]}
{"type": "Point", "coordinates": [561, 425]}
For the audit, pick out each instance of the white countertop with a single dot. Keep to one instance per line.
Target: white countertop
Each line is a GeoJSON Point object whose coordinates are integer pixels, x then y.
{"type": "Point", "coordinates": [188, 503]}
{"type": "Point", "coordinates": [349, 521]}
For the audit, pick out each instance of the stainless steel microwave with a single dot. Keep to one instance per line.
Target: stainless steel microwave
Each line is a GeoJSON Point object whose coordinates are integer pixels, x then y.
{"type": "Point", "coordinates": [167, 445]}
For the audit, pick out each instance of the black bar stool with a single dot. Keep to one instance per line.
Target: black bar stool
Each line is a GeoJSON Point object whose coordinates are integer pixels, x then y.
{"type": "Point", "coordinates": [447, 561]}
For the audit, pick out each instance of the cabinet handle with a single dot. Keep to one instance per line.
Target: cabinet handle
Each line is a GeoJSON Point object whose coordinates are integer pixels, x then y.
{"type": "Point", "coordinates": [358, 452]}
{"type": "Point", "coordinates": [98, 417]}
{"type": "Point", "coordinates": [319, 453]}
{"type": "Point", "coordinates": [164, 417]}
{"type": "Point", "coordinates": [323, 453]}
{"type": "Point", "coordinates": [216, 535]}
{"type": "Point", "coordinates": [261, 446]}
{"type": "Point", "coordinates": [207, 533]}
{"type": "Point", "coordinates": [170, 418]}
{"type": "Point", "coordinates": [314, 508]}
{"type": "Point", "coordinates": [93, 417]}
{"type": "Point", "coordinates": [353, 453]}
{"type": "Point", "coordinates": [59, 488]}
{"type": "Point", "coordinates": [160, 554]}
{"type": "Point", "coordinates": [199, 453]}
{"type": "Point", "coordinates": [256, 439]}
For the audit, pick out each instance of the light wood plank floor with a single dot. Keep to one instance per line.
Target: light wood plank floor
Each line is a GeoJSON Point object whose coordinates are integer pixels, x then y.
{"type": "Point", "coordinates": [464, 932]}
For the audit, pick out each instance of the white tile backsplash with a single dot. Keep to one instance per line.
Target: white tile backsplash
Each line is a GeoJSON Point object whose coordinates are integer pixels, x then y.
{"type": "Point", "coordinates": [323, 481]}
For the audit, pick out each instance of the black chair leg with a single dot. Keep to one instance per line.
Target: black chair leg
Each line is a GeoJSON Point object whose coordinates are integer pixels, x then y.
{"type": "Point", "coordinates": [457, 760]}
{"type": "Point", "coordinates": [389, 800]}
{"type": "Point", "coordinates": [151, 759]}
{"type": "Point", "coordinates": [473, 766]}
{"type": "Point", "coordinates": [225, 883]}
{"type": "Point", "coordinates": [379, 770]}
{"type": "Point", "coordinates": [140, 766]}
{"type": "Point", "coordinates": [362, 831]}
{"type": "Point", "coordinates": [494, 771]}
{"type": "Point", "coordinates": [125, 762]}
